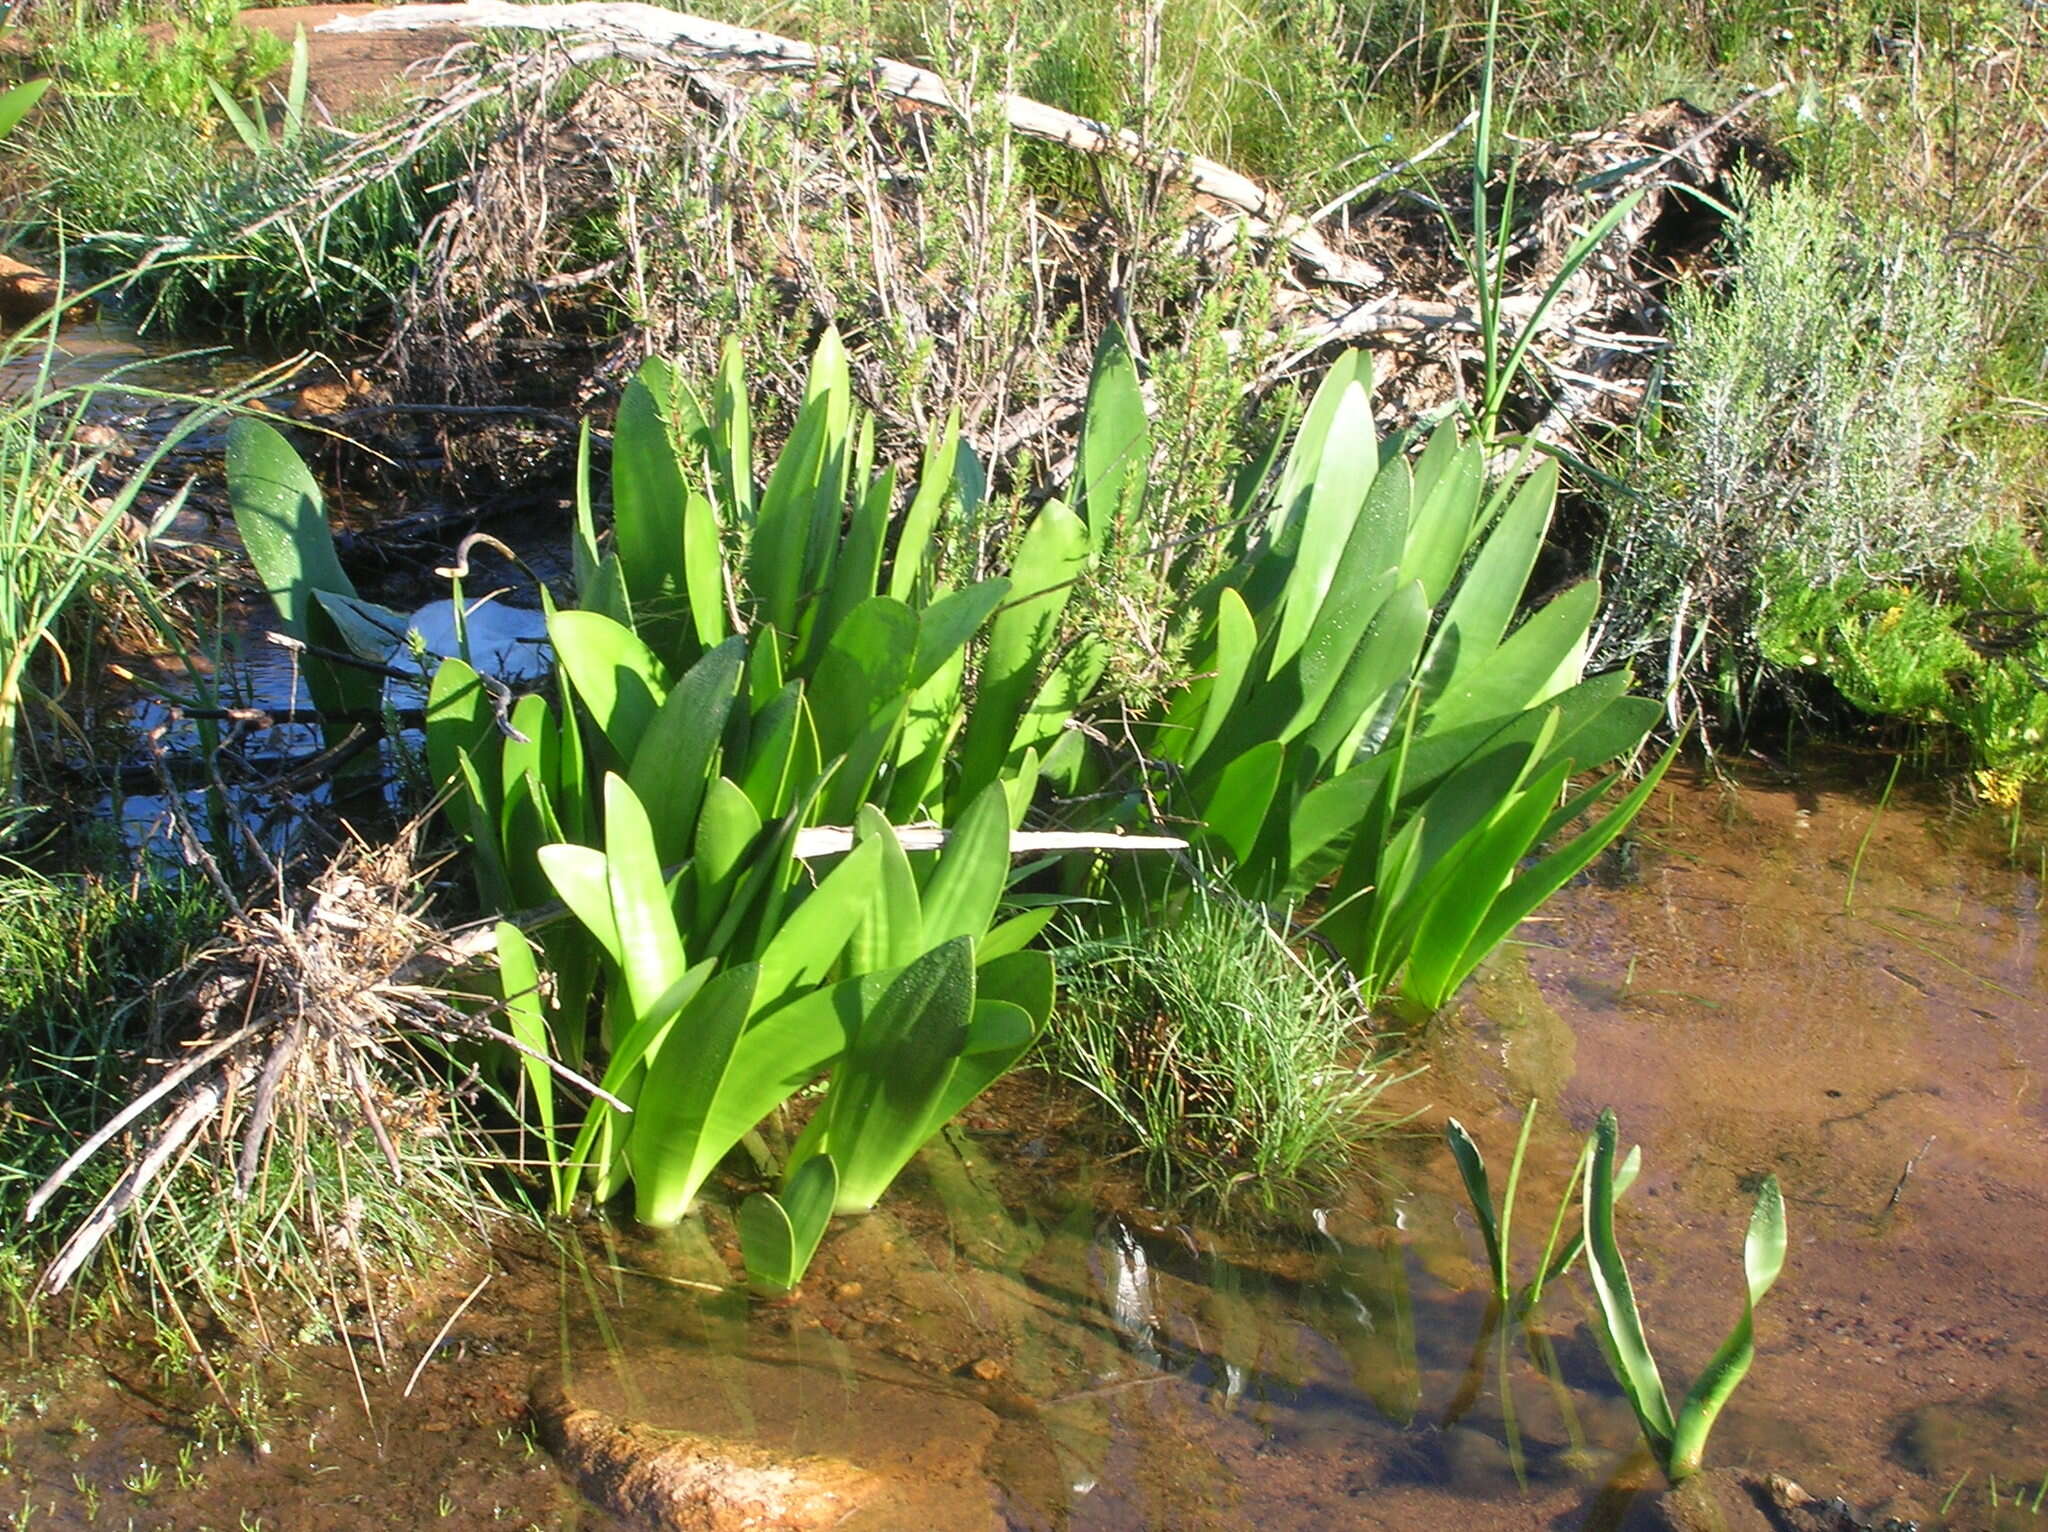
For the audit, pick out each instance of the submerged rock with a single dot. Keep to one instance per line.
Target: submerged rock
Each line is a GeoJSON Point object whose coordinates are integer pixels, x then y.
{"type": "Point", "coordinates": [682, 1483]}
{"type": "Point", "coordinates": [1738, 1500]}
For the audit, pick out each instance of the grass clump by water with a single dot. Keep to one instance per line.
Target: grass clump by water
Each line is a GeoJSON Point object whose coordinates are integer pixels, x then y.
{"type": "Point", "coordinates": [1241, 1071]}
{"type": "Point", "coordinates": [82, 962]}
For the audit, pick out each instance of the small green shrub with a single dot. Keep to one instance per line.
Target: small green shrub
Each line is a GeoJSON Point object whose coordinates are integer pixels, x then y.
{"type": "Point", "coordinates": [118, 59]}
{"type": "Point", "coordinates": [1810, 424]}
{"type": "Point", "coordinates": [1967, 657]}
{"type": "Point", "coordinates": [1240, 1069]}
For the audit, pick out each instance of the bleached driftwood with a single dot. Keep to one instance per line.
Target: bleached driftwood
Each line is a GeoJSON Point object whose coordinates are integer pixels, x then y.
{"type": "Point", "coordinates": [635, 27]}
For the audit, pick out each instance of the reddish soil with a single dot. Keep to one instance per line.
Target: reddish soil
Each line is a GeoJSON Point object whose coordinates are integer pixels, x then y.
{"type": "Point", "coordinates": [351, 69]}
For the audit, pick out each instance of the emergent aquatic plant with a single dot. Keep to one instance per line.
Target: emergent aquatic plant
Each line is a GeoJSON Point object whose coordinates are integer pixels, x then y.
{"type": "Point", "coordinates": [1360, 704]}
{"type": "Point", "coordinates": [1678, 1440]}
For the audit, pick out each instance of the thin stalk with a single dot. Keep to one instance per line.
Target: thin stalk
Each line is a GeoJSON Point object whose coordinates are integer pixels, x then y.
{"type": "Point", "coordinates": [1863, 845]}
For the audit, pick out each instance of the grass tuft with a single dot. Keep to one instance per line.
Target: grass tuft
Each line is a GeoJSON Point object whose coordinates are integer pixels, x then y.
{"type": "Point", "coordinates": [1241, 1071]}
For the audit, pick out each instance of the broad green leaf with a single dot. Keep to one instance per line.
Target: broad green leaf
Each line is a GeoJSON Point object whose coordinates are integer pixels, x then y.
{"type": "Point", "coordinates": [1071, 682]}
{"type": "Point", "coordinates": [960, 897]}
{"type": "Point", "coordinates": [1051, 557]}
{"type": "Point", "coordinates": [519, 983]}
{"type": "Point", "coordinates": [779, 1236]}
{"type": "Point", "coordinates": [674, 761]}
{"type": "Point", "coordinates": [1235, 809]}
{"type": "Point", "coordinates": [1116, 443]}
{"type": "Point", "coordinates": [945, 626]}
{"type": "Point", "coordinates": [18, 101]}
{"type": "Point", "coordinates": [1014, 934]}
{"type": "Point", "coordinates": [1478, 1191]}
{"type": "Point", "coordinates": [866, 670]}
{"type": "Point", "coordinates": [1237, 639]}
{"type": "Point", "coordinates": [1445, 932]}
{"type": "Point", "coordinates": [891, 931]}
{"type": "Point", "coordinates": [765, 776]}
{"type": "Point", "coordinates": [782, 527]}
{"type": "Point", "coordinates": [282, 521]}
{"type": "Point", "coordinates": [1330, 650]}
{"type": "Point", "coordinates": [726, 828]}
{"type": "Point", "coordinates": [1373, 680]}
{"type": "Point", "coordinates": [732, 436]}
{"type": "Point", "coordinates": [935, 486]}
{"type": "Point", "coordinates": [1538, 883]}
{"type": "Point", "coordinates": [1539, 660]}
{"type": "Point", "coordinates": [786, 1049]}
{"type": "Point", "coordinates": [803, 951]}
{"type": "Point", "coordinates": [1763, 1257]}
{"type": "Point", "coordinates": [650, 947]}
{"type": "Point", "coordinates": [616, 677]}
{"type": "Point", "coordinates": [1621, 1328]}
{"type": "Point", "coordinates": [647, 497]}
{"type": "Point", "coordinates": [1350, 458]}
{"type": "Point", "coordinates": [1001, 1034]}
{"type": "Point", "coordinates": [1026, 980]}
{"type": "Point", "coordinates": [1448, 489]}
{"type": "Point", "coordinates": [895, 1069]}
{"type": "Point", "coordinates": [459, 718]}
{"type": "Point", "coordinates": [667, 1148]}
{"type": "Point", "coordinates": [1305, 457]}
{"type": "Point", "coordinates": [857, 572]}
{"type": "Point", "coordinates": [577, 874]}
{"type": "Point", "coordinates": [1491, 591]}
{"type": "Point", "coordinates": [703, 570]}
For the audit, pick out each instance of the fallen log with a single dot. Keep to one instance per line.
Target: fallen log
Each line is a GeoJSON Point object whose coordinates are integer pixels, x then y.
{"type": "Point", "coordinates": [714, 43]}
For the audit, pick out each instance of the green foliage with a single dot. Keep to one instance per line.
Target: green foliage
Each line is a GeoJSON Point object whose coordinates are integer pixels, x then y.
{"type": "Point", "coordinates": [779, 1235]}
{"type": "Point", "coordinates": [252, 127]}
{"type": "Point", "coordinates": [1965, 657]}
{"type": "Point", "coordinates": [1496, 1225]}
{"type": "Point", "coordinates": [80, 959]}
{"type": "Point", "coordinates": [283, 526]}
{"type": "Point", "coordinates": [1811, 426]}
{"type": "Point", "coordinates": [1239, 1068]}
{"type": "Point", "coordinates": [1362, 706]}
{"type": "Point", "coordinates": [757, 655]}
{"type": "Point", "coordinates": [169, 76]}
{"type": "Point", "coordinates": [1677, 1440]}
{"type": "Point", "coordinates": [18, 101]}
{"type": "Point", "coordinates": [65, 563]}
{"type": "Point", "coordinates": [202, 232]}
